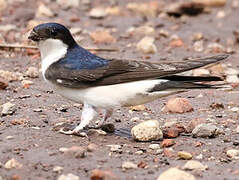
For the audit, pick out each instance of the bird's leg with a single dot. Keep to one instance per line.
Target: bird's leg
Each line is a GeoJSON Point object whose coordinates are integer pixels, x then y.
{"type": "Point", "coordinates": [88, 114]}
{"type": "Point", "coordinates": [107, 114]}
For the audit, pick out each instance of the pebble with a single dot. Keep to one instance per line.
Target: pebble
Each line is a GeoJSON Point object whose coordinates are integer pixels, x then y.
{"type": "Point", "coordinates": [8, 109]}
{"type": "Point", "coordinates": [3, 83]}
{"type": "Point", "coordinates": [149, 9]}
{"type": "Point", "coordinates": [233, 153]}
{"type": "Point", "coordinates": [140, 152]}
{"type": "Point", "coordinates": [193, 123]}
{"type": "Point", "coordinates": [194, 165]}
{"type": "Point", "coordinates": [26, 83]}
{"type": "Point", "coordinates": [115, 148]}
{"type": "Point", "coordinates": [198, 46]}
{"type": "Point", "coordinates": [205, 130]}
{"type": "Point", "coordinates": [68, 177]}
{"type": "Point", "coordinates": [13, 163]}
{"type": "Point", "coordinates": [178, 105]}
{"type": "Point", "coordinates": [43, 10]}
{"type": "Point", "coordinates": [11, 76]}
{"type": "Point", "coordinates": [76, 151]}
{"type": "Point", "coordinates": [68, 4]}
{"type": "Point", "coordinates": [237, 129]}
{"type": "Point", "coordinates": [138, 108]}
{"type": "Point", "coordinates": [3, 5]}
{"type": "Point", "coordinates": [167, 143]}
{"type": "Point", "coordinates": [32, 72]}
{"type": "Point", "coordinates": [175, 174]}
{"type": "Point", "coordinates": [147, 131]}
{"type": "Point", "coordinates": [184, 155]}
{"type": "Point", "coordinates": [199, 157]}
{"type": "Point", "coordinates": [154, 146]}
{"type": "Point", "coordinates": [129, 165]}
{"type": "Point", "coordinates": [98, 13]}
{"type": "Point", "coordinates": [92, 147]}
{"type": "Point", "coordinates": [98, 174]}
{"type": "Point", "coordinates": [57, 169]}
{"type": "Point", "coordinates": [146, 45]}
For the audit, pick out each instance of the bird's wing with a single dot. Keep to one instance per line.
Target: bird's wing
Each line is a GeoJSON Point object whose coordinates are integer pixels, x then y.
{"type": "Point", "coordinates": [122, 71]}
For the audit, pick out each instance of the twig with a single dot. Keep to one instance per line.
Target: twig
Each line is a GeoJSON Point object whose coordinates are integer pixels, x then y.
{"type": "Point", "coordinates": [13, 46]}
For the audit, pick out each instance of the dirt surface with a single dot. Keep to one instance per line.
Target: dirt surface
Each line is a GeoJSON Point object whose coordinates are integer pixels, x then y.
{"type": "Point", "coordinates": [29, 137]}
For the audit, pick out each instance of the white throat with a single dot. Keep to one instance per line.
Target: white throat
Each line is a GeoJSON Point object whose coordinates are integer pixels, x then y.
{"type": "Point", "coordinates": [51, 51]}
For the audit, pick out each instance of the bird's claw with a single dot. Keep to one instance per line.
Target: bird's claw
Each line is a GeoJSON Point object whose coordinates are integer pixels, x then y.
{"type": "Point", "coordinates": [73, 132]}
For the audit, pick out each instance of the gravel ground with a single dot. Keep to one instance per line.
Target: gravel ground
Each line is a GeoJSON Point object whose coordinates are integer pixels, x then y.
{"type": "Point", "coordinates": [29, 135]}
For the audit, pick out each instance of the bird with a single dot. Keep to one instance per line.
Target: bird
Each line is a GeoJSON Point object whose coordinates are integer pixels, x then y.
{"type": "Point", "coordinates": [108, 83]}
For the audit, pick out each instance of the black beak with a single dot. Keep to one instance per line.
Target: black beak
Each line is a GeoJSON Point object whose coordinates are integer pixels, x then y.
{"type": "Point", "coordinates": [34, 36]}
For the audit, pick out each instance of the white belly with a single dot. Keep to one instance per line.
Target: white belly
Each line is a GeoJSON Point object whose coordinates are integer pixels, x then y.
{"type": "Point", "coordinates": [125, 94]}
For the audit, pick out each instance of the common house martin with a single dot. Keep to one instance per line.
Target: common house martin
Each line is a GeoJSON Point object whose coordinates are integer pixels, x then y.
{"type": "Point", "coordinates": [100, 83]}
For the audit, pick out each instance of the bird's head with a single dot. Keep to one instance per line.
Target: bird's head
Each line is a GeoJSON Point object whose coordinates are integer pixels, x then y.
{"type": "Point", "coordinates": [52, 31]}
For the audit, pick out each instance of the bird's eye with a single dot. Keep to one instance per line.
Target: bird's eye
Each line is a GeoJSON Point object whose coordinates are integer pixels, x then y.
{"type": "Point", "coordinates": [53, 32]}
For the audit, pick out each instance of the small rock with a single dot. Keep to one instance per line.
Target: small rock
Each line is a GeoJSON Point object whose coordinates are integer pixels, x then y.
{"type": "Point", "coordinates": [184, 155]}
{"type": "Point", "coordinates": [199, 157]}
{"type": "Point", "coordinates": [233, 153]}
{"type": "Point", "coordinates": [76, 151]}
{"type": "Point", "coordinates": [221, 14]}
{"type": "Point", "coordinates": [129, 165]}
{"type": "Point", "coordinates": [115, 148]}
{"type": "Point", "coordinates": [146, 45]}
{"type": "Point", "coordinates": [68, 177]}
{"type": "Point", "coordinates": [149, 9]}
{"type": "Point", "coordinates": [154, 146]}
{"type": "Point", "coordinates": [147, 131]}
{"type": "Point", "coordinates": [9, 137]}
{"type": "Point", "coordinates": [237, 130]}
{"type": "Point", "coordinates": [194, 165]}
{"type": "Point", "coordinates": [68, 4]}
{"type": "Point", "coordinates": [26, 83]}
{"type": "Point", "coordinates": [197, 36]}
{"type": "Point", "coordinates": [205, 130]}
{"type": "Point", "coordinates": [98, 13]}
{"type": "Point", "coordinates": [198, 46]}
{"type": "Point", "coordinates": [171, 132]}
{"type": "Point", "coordinates": [3, 5]}
{"type": "Point", "coordinates": [138, 108]}
{"type": "Point", "coordinates": [164, 33]}
{"type": "Point", "coordinates": [8, 109]}
{"type": "Point", "coordinates": [10, 76]}
{"type": "Point", "coordinates": [12, 163]}
{"type": "Point", "coordinates": [43, 10]}
{"type": "Point", "coordinates": [140, 152]}
{"type": "Point", "coordinates": [216, 48]}
{"type": "Point", "coordinates": [57, 169]}
{"type": "Point", "coordinates": [102, 37]}
{"type": "Point", "coordinates": [178, 105]}
{"type": "Point", "coordinates": [91, 147]}
{"type": "Point", "coordinates": [175, 174]}
{"type": "Point", "coordinates": [98, 174]}
{"type": "Point", "coordinates": [3, 83]}
{"type": "Point", "coordinates": [32, 72]}
{"type": "Point", "coordinates": [113, 10]}
{"type": "Point", "coordinates": [167, 143]}
{"type": "Point", "coordinates": [193, 123]}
